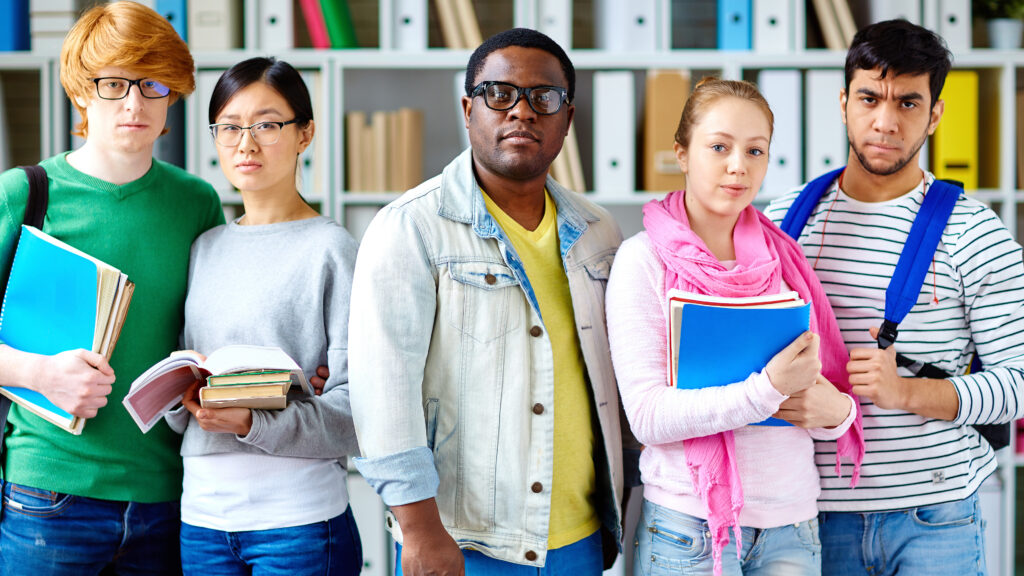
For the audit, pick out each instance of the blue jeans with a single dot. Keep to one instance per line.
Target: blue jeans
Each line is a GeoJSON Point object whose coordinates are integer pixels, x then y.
{"type": "Point", "coordinates": [43, 533]}
{"type": "Point", "coordinates": [324, 548]}
{"type": "Point", "coordinates": [670, 542]}
{"type": "Point", "coordinates": [582, 558]}
{"type": "Point", "coordinates": [938, 539]}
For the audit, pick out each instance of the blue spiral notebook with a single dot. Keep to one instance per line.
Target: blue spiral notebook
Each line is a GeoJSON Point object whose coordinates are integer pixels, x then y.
{"type": "Point", "coordinates": [59, 299]}
{"type": "Point", "coordinates": [719, 345]}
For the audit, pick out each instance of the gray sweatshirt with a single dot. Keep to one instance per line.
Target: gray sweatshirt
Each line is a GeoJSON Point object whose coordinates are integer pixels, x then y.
{"type": "Point", "coordinates": [284, 285]}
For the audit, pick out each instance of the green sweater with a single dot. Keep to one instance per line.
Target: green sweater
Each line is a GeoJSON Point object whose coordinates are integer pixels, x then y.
{"type": "Point", "coordinates": [145, 228]}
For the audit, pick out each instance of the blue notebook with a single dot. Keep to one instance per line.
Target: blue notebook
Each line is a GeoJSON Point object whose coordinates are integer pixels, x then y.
{"type": "Point", "coordinates": [720, 345]}
{"type": "Point", "coordinates": [51, 305]}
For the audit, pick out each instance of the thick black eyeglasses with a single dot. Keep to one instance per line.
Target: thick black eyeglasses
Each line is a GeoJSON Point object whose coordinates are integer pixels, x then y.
{"type": "Point", "coordinates": [263, 133]}
{"type": "Point", "coordinates": [114, 88]}
{"type": "Point", "coordinates": [544, 100]}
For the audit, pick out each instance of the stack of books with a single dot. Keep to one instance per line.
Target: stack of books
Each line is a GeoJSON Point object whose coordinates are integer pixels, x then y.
{"type": "Point", "coordinates": [267, 389]}
{"type": "Point", "coordinates": [233, 376]}
{"type": "Point", "coordinates": [386, 154]}
{"type": "Point", "coordinates": [716, 341]}
{"type": "Point", "coordinates": [59, 298]}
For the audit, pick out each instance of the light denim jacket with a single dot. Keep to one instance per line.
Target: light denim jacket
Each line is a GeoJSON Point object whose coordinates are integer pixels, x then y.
{"type": "Point", "coordinates": [447, 370]}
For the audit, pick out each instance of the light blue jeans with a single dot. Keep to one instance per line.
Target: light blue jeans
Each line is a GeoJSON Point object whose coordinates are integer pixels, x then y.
{"type": "Point", "coordinates": [938, 539]}
{"type": "Point", "coordinates": [330, 548]}
{"type": "Point", "coordinates": [670, 542]}
{"type": "Point", "coordinates": [582, 558]}
{"type": "Point", "coordinates": [45, 533]}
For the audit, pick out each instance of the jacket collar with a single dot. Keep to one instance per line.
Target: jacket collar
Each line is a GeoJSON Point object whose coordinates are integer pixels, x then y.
{"type": "Point", "coordinates": [461, 200]}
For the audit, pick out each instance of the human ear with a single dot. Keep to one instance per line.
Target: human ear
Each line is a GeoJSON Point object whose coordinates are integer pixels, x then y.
{"type": "Point", "coordinates": [681, 157]}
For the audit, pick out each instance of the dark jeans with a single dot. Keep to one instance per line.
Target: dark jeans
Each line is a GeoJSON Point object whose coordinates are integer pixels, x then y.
{"type": "Point", "coordinates": [44, 533]}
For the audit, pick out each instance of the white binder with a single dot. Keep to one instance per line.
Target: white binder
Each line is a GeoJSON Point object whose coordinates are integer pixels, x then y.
{"type": "Point", "coordinates": [773, 25]}
{"type": "Point", "coordinates": [630, 26]}
{"type": "Point", "coordinates": [782, 89]}
{"type": "Point", "coordinates": [208, 162]}
{"type": "Point", "coordinates": [826, 145]}
{"type": "Point", "coordinates": [214, 24]}
{"type": "Point", "coordinates": [909, 10]}
{"type": "Point", "coordinates": [614, 133]}
{"type": "Point", "coordinates": [276, 26]}
{"type": "Point", "coordinates": [554, 18]}
{"type": "Point", "coordinates": [954, 24]}
{"type": "Point", "coordinates": [312, 161]}
{"type": "Point", "coordinates": [403, 25]}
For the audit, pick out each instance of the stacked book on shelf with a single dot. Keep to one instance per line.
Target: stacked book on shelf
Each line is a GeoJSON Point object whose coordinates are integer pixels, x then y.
{"type": "Point", "coordinates": [459, 25]}
{"type": "Point", "coordinates": [232, 376]}
{"type": "Point", "coordinates": [567, 168]}
{"type": "Point", "coordinates": [58, 299]}
{"type": "Point", "coordinates": [386, 153]}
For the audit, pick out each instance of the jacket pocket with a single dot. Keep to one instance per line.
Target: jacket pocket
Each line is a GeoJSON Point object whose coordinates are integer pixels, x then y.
{"type": "Point", "coordinates": [484, 300]}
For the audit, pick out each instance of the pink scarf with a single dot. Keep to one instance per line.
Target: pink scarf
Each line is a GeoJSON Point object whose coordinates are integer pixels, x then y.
{"type": "Point", "coordinates": [765, 256]}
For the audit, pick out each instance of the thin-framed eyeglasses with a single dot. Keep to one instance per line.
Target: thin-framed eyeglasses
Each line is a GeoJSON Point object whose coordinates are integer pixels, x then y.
{"type": "Point", "coordinates": [500, 96]}
{"type": "Point", "coordinates": [263, 133]}
{"type": "Point", "coordinates": [115, 88]}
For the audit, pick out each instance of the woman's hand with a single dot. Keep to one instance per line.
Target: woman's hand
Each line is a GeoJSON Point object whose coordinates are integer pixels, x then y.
{"type": "Point", "coordinates": [225, 420]}
{"type": "Point", "coordinates": [796, 367]}
{"type": "Point", "coordinates": [820, 406]}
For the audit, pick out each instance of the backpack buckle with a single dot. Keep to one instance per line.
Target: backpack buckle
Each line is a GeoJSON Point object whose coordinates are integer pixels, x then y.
{"type": "Point", "coordinates": [887, 334]}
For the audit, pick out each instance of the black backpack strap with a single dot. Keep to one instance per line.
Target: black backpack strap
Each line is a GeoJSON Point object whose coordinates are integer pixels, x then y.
{"type": "Point", "coordinates": [35, 211]}
{"type": "Point", "coordinates": [38, 195]}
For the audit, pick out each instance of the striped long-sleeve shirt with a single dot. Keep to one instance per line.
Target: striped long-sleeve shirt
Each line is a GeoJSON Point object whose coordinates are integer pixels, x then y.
{"type": "Point", "coordinates": [972, 301]}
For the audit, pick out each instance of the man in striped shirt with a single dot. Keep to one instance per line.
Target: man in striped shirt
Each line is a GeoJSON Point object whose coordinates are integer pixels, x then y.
{"type": "Point", "coordinates": [924, 463]}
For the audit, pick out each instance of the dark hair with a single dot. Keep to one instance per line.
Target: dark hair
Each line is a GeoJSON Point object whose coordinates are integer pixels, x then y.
{"type": "Point", "coordinates": [902, 48]}
{"type": "Point", "coordinates": [522, 38]}
{"type": "Point", "coordinates": [277, 74]}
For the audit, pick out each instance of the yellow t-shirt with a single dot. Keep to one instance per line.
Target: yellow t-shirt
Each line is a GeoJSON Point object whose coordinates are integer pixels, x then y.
{"type": "Point", "coordinates": [572, 511]}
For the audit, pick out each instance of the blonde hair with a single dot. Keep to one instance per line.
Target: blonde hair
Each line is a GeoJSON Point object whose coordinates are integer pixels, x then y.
{"type": "Point", "coordinates": [708, 91]}
{"type": "Point", "coordinates": [125, 35]}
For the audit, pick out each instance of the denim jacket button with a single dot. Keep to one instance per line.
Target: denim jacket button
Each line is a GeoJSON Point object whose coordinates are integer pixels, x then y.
{"type": "Point", "coordinates": [531, 555]}
{"type": "Point", "coordinates": [490, 279]}
{"type": "Point", "coordinates": [536, 331]}
{"type": "Point", "coordinates": [537, 487]}
{"type": "Point", "coordinates": [538, 408]}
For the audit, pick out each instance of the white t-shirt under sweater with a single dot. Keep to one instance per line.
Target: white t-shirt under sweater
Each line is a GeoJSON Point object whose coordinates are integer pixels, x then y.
{"type": "Point", "coordinates": [776, 463]}
{"type": "Point", "coordinates": [978, 279]}
{"type": "Point", "coordinates": [285, 285]}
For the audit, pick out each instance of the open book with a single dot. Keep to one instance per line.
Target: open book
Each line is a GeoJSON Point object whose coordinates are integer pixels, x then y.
{"type": "Point", "coordinates": [162, 387]}
{"type": "Point", "coordinates": [58, 298]}
{"type": "Point", "coordinates": [717, 341]}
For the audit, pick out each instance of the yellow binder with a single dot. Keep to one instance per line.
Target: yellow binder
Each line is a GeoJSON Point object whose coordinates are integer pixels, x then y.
{"type": "Point", "coordinates": [955, 144]}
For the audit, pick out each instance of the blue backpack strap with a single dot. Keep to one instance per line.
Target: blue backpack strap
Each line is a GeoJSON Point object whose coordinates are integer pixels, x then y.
{"type": "Point", "coordinates": [801, 208]}
{"type": "Point", "coordinates": [916, 256]}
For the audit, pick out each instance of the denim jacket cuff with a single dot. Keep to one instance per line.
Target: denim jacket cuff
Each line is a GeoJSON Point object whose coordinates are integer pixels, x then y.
{"type": "Point", "coordinates": [401, 478]}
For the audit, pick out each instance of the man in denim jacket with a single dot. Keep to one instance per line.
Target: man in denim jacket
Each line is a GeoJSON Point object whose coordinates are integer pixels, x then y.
{"type": "Point", "coordinates": [481, 382]}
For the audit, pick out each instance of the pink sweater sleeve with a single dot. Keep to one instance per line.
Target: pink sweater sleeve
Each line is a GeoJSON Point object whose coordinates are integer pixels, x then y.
{"type": "Point", "coordinates": [637, 317]}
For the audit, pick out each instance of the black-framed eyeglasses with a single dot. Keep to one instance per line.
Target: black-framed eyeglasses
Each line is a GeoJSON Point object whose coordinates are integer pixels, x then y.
{"type": "Point", "coordinates": [115, 88]}
{"type": "Point", "coordinates": [263, 133]}
{"type": "Point", "coordinates": [544, 100]}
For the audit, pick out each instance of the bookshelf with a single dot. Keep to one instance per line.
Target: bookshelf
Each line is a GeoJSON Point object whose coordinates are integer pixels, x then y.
{"type": "Point", "coordinates": [384, 75]}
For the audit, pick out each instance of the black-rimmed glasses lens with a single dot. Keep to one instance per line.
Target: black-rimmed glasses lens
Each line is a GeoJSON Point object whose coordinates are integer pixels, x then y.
{"type": "Point", "coordinates": [263, 133]}
{"type": "Point", "coordinates": [503, 96]}
{"type": "Point", "coordinates": [113, 88]}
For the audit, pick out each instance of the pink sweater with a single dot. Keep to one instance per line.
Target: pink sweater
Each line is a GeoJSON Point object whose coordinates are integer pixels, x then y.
{"type": "Point", "coordinates": [776, 464]}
